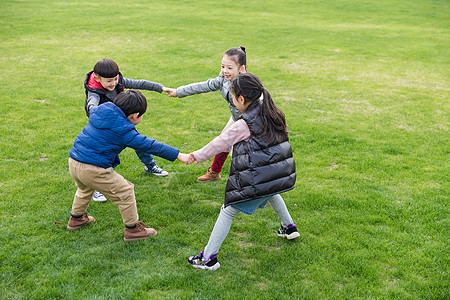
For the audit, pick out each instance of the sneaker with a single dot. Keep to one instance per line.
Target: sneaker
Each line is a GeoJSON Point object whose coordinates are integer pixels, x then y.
{"type": "Point", "coordinates": [210, 175]}
{"type": "Point", "coordinates": [290, 232]}
{"type": "Point", "coordinates": [198, 261]}
{"type": "Point", "coordinates": [98, 197]}
{"type": "Point", "coordinates": [76, 223]}
{"type": "Point", "coordinates": [155, 170]}
{"type": "Point", "coordinates": [140, 232]}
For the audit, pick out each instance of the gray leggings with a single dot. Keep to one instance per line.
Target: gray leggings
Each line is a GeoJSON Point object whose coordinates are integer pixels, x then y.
{"type": "Point", "coordinates": [226, 216]}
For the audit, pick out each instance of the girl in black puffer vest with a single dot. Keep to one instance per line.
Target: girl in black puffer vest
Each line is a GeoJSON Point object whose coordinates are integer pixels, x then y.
{"type": "Point", "coordinates": [262, 165]}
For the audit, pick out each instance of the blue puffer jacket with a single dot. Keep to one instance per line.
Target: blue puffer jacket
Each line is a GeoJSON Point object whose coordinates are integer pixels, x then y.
{"type": "Point", "coordinates": [108, 133]}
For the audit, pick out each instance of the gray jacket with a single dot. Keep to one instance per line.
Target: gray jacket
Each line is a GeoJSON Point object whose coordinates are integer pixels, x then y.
{"type": "Point", "coordinates": [93, 97]}
{"type": "Point", "coordinates": [211, 85]}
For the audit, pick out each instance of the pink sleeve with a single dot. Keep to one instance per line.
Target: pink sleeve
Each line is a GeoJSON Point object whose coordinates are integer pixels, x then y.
{"type": "Point", "coordinates": [235, 133]}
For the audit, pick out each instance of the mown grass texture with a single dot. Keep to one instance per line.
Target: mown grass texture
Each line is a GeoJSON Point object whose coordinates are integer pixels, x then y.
{"type": "Point", "coordinates": [365, 90]}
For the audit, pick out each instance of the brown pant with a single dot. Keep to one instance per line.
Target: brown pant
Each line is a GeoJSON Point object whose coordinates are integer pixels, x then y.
{"type": "Point", "coordinates": [111, 184]}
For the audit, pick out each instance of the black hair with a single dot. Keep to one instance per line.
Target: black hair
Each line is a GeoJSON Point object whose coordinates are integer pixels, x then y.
{"type": "Point", "coordinates": [274, 129]}
{"type": "Point", "coordinates": [106, 68]}
{"type": "Point", "coordinates": [131, 102]}
{"type": "Point", "coordinates": [240, 53]}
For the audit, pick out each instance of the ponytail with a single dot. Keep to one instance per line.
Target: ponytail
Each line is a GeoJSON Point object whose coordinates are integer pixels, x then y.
{"type": "Point", "coordinates": [274, 129]}
{"type": "Point", "coordinates": [274, 121]}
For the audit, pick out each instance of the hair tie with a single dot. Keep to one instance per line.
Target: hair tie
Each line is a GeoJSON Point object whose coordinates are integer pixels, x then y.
{"type": "Point", "coordinates": [261, 98]}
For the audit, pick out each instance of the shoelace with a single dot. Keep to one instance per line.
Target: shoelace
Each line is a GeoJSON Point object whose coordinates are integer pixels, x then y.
{"type": "Point", "coordinates": [141, 225]}
{"type": "Point", "coordinates": [199, 256]}
{"type": "Point", "coordinates": [156, 169]}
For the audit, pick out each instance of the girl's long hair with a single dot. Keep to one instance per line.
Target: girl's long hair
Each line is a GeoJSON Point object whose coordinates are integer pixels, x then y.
{"type": "Point", "coordinates": [274, 129]}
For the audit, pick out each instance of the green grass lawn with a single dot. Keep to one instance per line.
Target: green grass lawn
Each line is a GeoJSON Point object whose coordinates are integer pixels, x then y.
{"type": "Point", "coordinates": [365, 89]}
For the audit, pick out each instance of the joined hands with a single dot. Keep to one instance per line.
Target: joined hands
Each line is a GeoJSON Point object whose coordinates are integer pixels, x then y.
{"type": "Point", "coordinates": [187, 159]}
{"type": "Point", "coordinates": [170, 92]}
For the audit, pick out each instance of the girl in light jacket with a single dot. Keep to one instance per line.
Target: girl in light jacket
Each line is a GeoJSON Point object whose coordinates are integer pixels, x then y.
{"type": "Point", "coordinates": [234, 62]}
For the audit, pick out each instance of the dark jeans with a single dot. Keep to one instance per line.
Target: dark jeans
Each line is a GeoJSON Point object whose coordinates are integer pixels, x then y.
{"type": "Point", "coordinates": [146, 158]}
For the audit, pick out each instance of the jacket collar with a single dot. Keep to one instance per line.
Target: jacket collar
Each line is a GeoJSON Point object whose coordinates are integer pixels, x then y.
{"type": "Point", "coordinates": [93, 84]}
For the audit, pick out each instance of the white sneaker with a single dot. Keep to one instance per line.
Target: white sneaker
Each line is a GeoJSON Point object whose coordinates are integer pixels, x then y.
{"type": "Point", "coordinates": [99, 197]}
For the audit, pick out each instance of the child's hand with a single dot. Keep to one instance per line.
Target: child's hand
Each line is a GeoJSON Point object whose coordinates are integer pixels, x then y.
{"type": "Point", "coordinates": [185, 158]}
{"type": "Point", "coordinates": [192, 159]}
{"type": "Point", "coordinates": [170, 92]}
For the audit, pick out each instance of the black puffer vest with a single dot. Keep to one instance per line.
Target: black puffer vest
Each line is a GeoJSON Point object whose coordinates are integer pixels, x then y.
{"type": "Point", "coordinates": [100, 91]}
{"type": "Point", "coordinates": [258, 169]}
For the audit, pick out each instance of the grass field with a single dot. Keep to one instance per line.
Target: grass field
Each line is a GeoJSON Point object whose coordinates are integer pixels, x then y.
{"type": "Point", "coordinates": [365, 89]}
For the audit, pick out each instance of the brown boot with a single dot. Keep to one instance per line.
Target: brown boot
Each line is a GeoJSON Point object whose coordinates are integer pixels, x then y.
{"type": "Point", "coordinates": [76, 223]}
{"type": "Point", "coordinates": [140, 232]}
{"type": "Point", "coordinates": [210, 175]}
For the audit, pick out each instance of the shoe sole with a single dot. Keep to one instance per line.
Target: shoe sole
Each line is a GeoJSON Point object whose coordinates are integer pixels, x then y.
{"type": "Point", "coordinates": [77, 227]}
{"type": "Point", "coordinates": [139, 239]}
{"type": "Point", "coordinates": [98, 200]}
{"type": "Point", "coordinates": [159, 175]}
{"type": "Point", "coordinates": [215, 267]}
{"type": "Point", "coordinates": [291, 236]}
{"type": "Point", "coordinates": [209, 180]}
{"type": "Point", "coordinates": [74, 228]}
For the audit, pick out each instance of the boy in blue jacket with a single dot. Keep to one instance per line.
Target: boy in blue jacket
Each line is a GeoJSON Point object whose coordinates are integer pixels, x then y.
{"type": "Point", "coordinates": [95, 153]}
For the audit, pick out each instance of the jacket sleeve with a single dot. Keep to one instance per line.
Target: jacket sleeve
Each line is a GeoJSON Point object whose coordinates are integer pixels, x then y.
{"type": "Point", "coordinates": [92, 99]}
{"type": "Point", "coordinates": [209, 85]}
{"type": "Point", "coordinates": [142, 85]}
{"type": "Point", "coordinates": [237, 132]}
{"type": "Point", "coordinates": [137, 141]}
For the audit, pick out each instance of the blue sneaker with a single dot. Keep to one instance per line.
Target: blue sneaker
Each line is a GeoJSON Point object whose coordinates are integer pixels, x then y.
{"type": "Point", "coordinates": [289, 232]}
{"type": "Point", "coordinates": [98, 197]}
{"type": "Point", "coordinates": [155, 170]}
{"type": "Point", "coordinates": [198, 261]}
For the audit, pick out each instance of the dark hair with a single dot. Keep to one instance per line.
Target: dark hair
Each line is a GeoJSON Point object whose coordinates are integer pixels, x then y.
{"type": "Point", "coordinates": [106, 68]}
{"type": "Point", "coordinates": [240, 53]}
{"type": "Point", "coordinates": [131, 102]}
{"type": "Point", "coordinates": [274, 128]}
